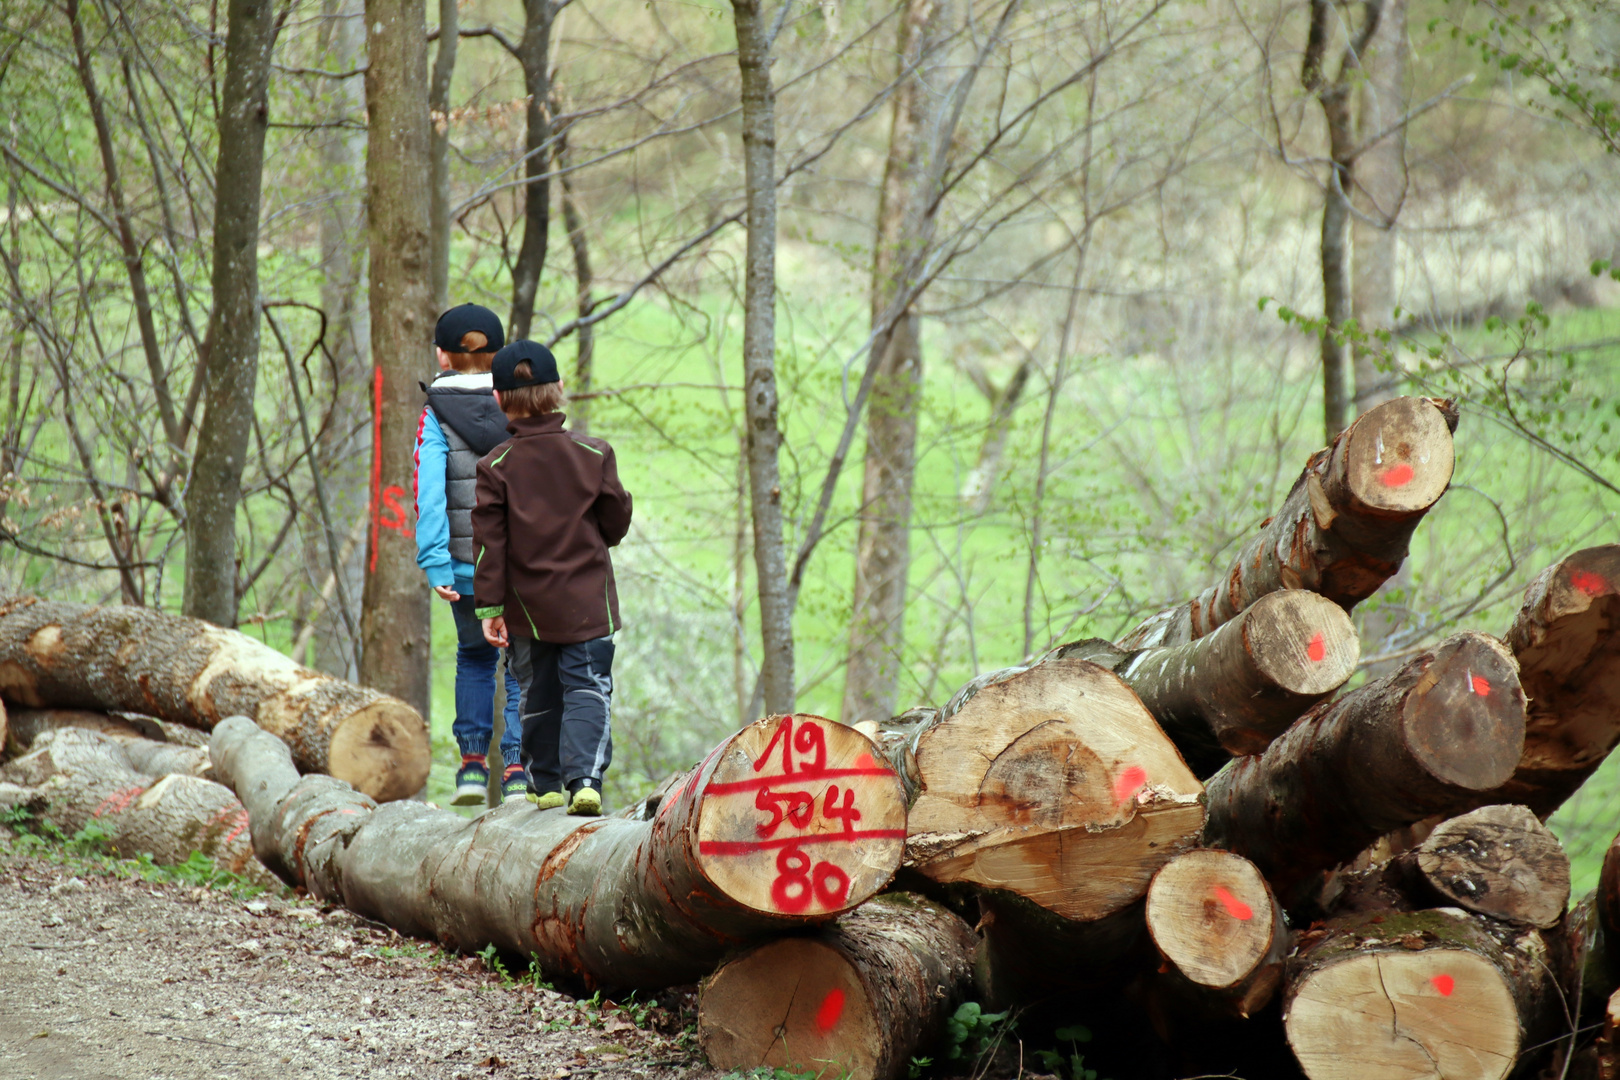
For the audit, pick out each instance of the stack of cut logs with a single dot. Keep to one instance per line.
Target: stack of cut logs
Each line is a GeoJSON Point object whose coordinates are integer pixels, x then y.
{"type": "Point", "coordinates": [1189, 839]}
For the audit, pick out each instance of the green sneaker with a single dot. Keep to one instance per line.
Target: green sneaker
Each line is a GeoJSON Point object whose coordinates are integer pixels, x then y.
{"type": "Point", "coordinates": [587, 802]}
{"type": "Point", "coordinates": [549, 801]}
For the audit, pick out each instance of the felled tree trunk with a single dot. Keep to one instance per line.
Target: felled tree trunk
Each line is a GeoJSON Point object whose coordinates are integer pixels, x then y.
{"type": "Point", "coordinates": [1425, 740]}
{"type": "Point", "coordinates": [1608, 1043]}
{"type": "Point", "coordinates": [144, 740]}
{"type": "Point", "coordinates": [1566, 638]}
{"type": "Point", "coordinates": [1233, 691]}
{"type": "Point", "coordinates": [1219, 929]}
{"type": "Point", "coordinates": [860, 998]}
{"type": "Point", "coordinates": [83, 776]}
{"type": "Point", "coordinates": [1052, 784]}
{"type": "Point", "coordinates": [186, 670]}
{"type": "Point", "coordinates": [787, 824]}
{"type": "Point", "coordinates": [1419, 994]}
{"type": "Point", "coordinates": [1342, 530]}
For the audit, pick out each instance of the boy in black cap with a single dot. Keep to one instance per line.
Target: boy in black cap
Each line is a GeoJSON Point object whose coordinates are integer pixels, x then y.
{"type": "Point", "coordinates": [459, 424]}
{"type": "Point", "coordinates": [549, 506]}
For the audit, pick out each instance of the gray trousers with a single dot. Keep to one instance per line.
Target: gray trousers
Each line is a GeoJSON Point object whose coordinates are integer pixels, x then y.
{"type": "Point", "coordinates": [567, 695]}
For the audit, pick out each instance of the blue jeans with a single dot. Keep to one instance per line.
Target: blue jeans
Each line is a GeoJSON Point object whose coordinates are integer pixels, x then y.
{"type": "Point", "coordinates": [475, 688]}
{"type": "Point", "coordinates": [567, 691]}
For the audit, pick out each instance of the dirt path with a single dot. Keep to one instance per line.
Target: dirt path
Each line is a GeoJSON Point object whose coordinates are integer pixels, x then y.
{"type": "Point", "coordinates": [113, 978]}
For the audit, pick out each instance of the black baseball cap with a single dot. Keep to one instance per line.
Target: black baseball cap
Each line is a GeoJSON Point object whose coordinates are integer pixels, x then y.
{"type": "Point", "coordinates": [542, 364]}
{"type": "Point", "coordinates": [468, 318]}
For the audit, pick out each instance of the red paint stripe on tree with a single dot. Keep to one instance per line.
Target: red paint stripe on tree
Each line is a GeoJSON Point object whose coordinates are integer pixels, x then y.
{"type": "Point", "coordinates": [1234, 907]}
{"type": "Point", "coordinates": [1317, 649]}
{"type": "Point", "coordinates": [830, 1010]}
{"type": "Point", "coordinates": [1589, 583]}
{"type": "Point", "coordinates": [748, 847]}
{"type": "Point", "coordinates": [1129, 783]}
{"type": "Point", "coordinates": [1445, 984]}
{"type": "Point", "coordinates": [1397, 475]}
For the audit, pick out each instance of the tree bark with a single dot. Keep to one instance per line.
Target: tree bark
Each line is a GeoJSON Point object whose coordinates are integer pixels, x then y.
{"type": "Point", "coordinates": [144, 740]}
{"type": "Point", "coordinates": [1608, 1043]}
{"type": "Point", "coordinates": [740, 850]}
{"type": "Point", "coordinates": [585, 336]}
{"type": "Point", "coordinates": [1233, 691]}
{"type": "Point", "coordinates": [1427, 993]}
{"type": "Point", "coordinates": [534, 53]}
{"type": "Point", "coordinates": [1426, 740]}
{"type": "Point", "coordinates": [1219, 929]}
{"type": "Point", "coordinates": [1052, 784]}
{"type": "Point", "coordinates": [1378, 195]}
{"type": "Point", "coordinates": [763, 438]}
{"type": "Point", "coordinates": [444, 69]}
{"type": "Point", "coordinates": [81, 776]}
{"type": "Point", "coordinates": [883, 545]}
{"type": "Point", "coordinates": [862, 997]}
{"type": "Point", "coordinates": [980, 483]}
{"type": "Point", "coordinates": [1566, 638]}
{"type": "Point", "coordinates": [185, 670]}
{"type": "Point", "coordinates": [1342, 530]}
{"type": "Point", "coordinates": [232, 356]}
{"type": "Point", "coordinates": [394, 618]}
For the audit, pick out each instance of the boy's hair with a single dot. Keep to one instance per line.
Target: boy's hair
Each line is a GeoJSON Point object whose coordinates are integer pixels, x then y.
{"type": "Point", "coordinates": [476, 358]}
{"type": "Point", "coordinates": [532, 400]}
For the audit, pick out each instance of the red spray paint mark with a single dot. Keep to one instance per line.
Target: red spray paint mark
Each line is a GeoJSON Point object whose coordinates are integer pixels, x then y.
{"type": "Point", "coordinates": [865, 761]}
{"type": "Point", "coordinates": [1129, 783]}
{"type": "Point", "coordinates": [1234, 907]}
{"type": "Point", "coordinates": [117, 802]}
{"type": "Point", "coordinates": [1588, 583]}
{"type": "Point", "coordinates": [376, 464]}
{"type": "Point", "coordinates": [1317, 649]}
{"type": "Point", "coordinates": [1397, 475]}
{"type": "Point", "coordinates": [1481, 687]}
{"type": "Point", "coordinates": [830, 1011]}
{"type": "Point", "coordinates": [1445, 984]}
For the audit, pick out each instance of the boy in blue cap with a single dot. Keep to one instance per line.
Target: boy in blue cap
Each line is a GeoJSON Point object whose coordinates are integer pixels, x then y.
{"type": "Point", "coordinates": [459, 424]}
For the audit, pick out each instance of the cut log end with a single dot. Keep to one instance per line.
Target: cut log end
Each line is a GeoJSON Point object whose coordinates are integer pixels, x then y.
{"type": "Point", "coordinates": [801, 816]}
{"type": "Point", "coordinates": [1499, 861]}
{"type": "Point", "coordinates": [1399, 457]}
{"type": "Point", "coordinates": [797, 1004]}
{"type": "Point", "coordinates": [1469, 697]}
{"type": "Point", "coordinates": [1301, 641]}
{"type": "Point", "coordinates": [1436, 1012]}
{"type": "Point", "coordinates": [382, 750]}
{"type": "Point", "coordinates": [1212, 916]}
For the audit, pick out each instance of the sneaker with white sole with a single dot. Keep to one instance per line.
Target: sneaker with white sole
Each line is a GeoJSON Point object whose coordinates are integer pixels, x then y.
{"type": "Point", "coordinates": [472, 783]}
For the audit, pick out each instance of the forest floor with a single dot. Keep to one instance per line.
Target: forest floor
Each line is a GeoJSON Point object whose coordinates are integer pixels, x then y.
{"type": "Point", "coordinates": [109, 976]}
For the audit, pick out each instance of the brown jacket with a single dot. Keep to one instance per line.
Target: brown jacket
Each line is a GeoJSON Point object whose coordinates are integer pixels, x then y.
{"type": "Point", "coordinates": [549, 507]}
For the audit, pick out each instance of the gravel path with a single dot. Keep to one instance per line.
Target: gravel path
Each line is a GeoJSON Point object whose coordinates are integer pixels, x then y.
{"type": "Point", "coordinates": [109, 977]}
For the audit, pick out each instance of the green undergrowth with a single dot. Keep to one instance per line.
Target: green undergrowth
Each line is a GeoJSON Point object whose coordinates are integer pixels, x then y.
{"type": "Point", "coordinates": [90, 851]}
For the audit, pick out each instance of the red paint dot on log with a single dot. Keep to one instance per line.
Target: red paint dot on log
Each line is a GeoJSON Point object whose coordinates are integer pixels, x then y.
{"type": "Point", "coordinates": [865, 761]}
{"type": "Point", "coordinates": [832, 1008]}
{"type": "Point", "coordinates": [1398, 475]}
{"type": "Point", "coordinates": [1234, 907]}
{"type": "Point", "coordinates": [1129, 783]}
{"type": "Point", "coordinates": [1481, 687]}
{"type": "Point", "coordinates": [1588, 583]}
{"type": "Point", "coordinates": [1445, 984]}
{"type": "Point", "coordinates": [1317, 649]}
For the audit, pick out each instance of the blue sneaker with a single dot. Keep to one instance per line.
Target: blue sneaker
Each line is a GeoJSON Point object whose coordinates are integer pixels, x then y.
{"type": "Point", "coordinates": [472, 782]}
{"type": "Point", "coordinates": [514, 782]}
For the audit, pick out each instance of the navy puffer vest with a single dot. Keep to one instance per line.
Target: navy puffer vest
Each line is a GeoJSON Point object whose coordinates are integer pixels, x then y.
{"type": "Point", "coordinates": [473, 425]}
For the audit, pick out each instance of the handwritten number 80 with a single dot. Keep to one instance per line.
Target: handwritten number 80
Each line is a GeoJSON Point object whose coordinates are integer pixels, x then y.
{"type": "Point", "coordinates": [797, 884]}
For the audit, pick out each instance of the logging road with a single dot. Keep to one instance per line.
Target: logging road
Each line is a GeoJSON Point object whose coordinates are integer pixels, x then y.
{"type": "Point", "coordinates": [111, 978]}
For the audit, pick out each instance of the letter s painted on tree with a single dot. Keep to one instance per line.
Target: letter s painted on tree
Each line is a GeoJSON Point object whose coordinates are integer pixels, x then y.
{"type": "Point", "coordinates": [395, 517]}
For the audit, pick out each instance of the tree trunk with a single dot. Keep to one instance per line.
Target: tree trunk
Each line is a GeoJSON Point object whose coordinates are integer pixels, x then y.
{"type": "Point", "coordinates": [1052, 784]}
{"type": "Point", "coordinates": [1426, 740]}
{"type": "Point", "coordinates": [1608, 1043]}
{"type": "Point", "coordinates": [861, 998]}
{"type": "Point", "coordinates": [143, 739]}
{"type": "Point", "coordinates": [1566, 638]}
{"type": "Point", "coordinates": [394, 618]}
{"type": "Point", "coordinates": [534, 53]}
{"type": "Point", "coordinates": [83, 776]}
{"type": "Point", "coordinates": [585, 336]}
{"type": "Point", "coordinates": [185, 670]}
{"type": "Point", "coordinates": [1342, 530]}
{"type": "Point", "coordinates": [1427, 993]}
{"type": "Point", "coordinates": [763, 439]}
{"type": "Point", "coordinates": [980, 483]}
{"type": "Point", "coordinates": [883, 546]}
{"type": "Point", "coordinates": [444, 69]}
{"type": "Point", "coordinates": [636, 902]}
{"type": "Point", "coordinates": [1233, 691]}
{"type": "Point", "coordinates": [1379, 193]}
{"type": "Point", "coordinates": [232, 357]}
{"type": "Point", "coordinates": [1219, 929]}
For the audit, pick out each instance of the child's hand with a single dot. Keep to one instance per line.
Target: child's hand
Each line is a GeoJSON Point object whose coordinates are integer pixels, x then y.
{"type": "Point", "coordinates": [447, 593]}
{"type": "Point", "coordinates": [495, 632]}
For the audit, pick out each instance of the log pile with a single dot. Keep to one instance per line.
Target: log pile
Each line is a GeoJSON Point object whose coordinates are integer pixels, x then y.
{"type": "Point", "coordinates": [1194, 840]}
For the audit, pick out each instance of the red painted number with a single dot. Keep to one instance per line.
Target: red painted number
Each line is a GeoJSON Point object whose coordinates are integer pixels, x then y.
{"type": "Point", "coordinates": [807, 739]}
{"type": "Point", "coordinates": [801, 806]}
{"type": "Point", "coordinates": [796, 884]}
{"type": "Point", "coordinates": [832, 809]}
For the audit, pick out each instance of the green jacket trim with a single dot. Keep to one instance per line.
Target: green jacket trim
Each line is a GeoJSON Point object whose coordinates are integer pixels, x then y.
{"type": "Point", "coordinates": [489, 612]}
{"type": "Point", "coordinates": [587, 446]}
{"type": "Point", "coordinates": [532, 630]}
{"type": "Point", "coordinates": [498, 460]}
